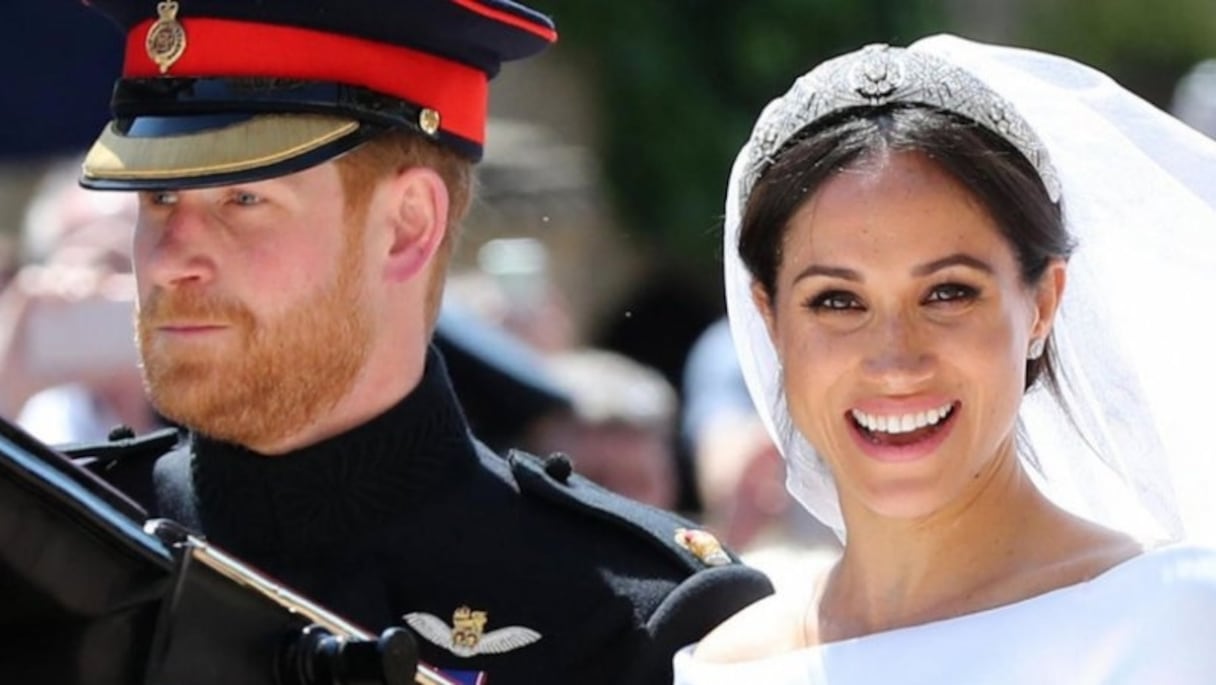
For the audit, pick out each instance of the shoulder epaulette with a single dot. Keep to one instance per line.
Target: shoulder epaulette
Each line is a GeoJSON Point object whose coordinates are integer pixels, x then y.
{"type": "Point", "coordinates": [124, 445]}
{"type": "Point", "coordinates": [554, 480]}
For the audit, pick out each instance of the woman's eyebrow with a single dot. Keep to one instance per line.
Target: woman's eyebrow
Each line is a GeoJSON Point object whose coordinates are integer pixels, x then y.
{"type": "Point", "coordinates": [956, 259]}
{"type": "Point", "coordinates": [845, 273]}
{"type": "Point", "coordinates": [830, 271]}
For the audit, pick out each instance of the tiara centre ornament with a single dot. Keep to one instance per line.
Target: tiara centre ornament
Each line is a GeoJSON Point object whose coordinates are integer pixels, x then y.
{"type": "Point", "coordinates": [879, 75]}
{"type": "Point", "coordinates": [166, 39]}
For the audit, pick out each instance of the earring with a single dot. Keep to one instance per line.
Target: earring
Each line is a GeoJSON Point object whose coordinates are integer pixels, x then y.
{"type": "Point", "coordinates": [1036, 348]}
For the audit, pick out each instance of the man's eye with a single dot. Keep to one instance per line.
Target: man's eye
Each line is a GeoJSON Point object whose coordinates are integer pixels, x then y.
{"type": "Point", "coordinates": [246, 199]}
{"type": "Point", "coordinates": [163, 197]}
{"type": "Point", "coordinates": [951, 292]}
{"type": "Point", "coordinates": [834, 301]}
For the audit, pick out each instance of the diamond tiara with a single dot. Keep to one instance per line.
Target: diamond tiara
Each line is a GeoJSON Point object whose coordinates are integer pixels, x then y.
{"type": "Point", "coordinates": [879, 75]}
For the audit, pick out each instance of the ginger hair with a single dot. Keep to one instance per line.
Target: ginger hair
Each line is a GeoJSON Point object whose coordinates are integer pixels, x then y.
{"type": "Point", "coordinates": [395, 151]}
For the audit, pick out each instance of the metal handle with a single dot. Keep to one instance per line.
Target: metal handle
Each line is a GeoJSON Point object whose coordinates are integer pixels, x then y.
{"type": "Point", "coordinates": [332, 634]}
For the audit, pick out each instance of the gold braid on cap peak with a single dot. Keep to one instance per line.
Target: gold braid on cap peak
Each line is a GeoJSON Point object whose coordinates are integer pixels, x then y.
{"type": "Point", "coordinates": [879, 75]}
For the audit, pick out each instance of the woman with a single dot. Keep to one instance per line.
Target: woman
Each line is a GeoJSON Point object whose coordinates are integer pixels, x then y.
{"type": "Point", "coordinates": [961, 282]}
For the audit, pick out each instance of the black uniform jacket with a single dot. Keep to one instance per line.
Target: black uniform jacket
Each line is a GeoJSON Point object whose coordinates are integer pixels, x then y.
{"type": "Point", "coordinates": [513, 568]}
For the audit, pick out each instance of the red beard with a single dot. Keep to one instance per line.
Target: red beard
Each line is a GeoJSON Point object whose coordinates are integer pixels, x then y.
{"type": "Point", "coordinates": [270, 378]}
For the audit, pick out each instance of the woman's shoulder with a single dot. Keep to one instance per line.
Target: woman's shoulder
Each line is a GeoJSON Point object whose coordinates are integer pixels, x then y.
{"type": "Point", "coordinates": [1169, 599]}
{"type": "Point", "coordinates": [1171, 587]}
{"type": "Point", "coordinates": [1180, 569]}
{"type": "Point", "coordinates": [1182, 564]}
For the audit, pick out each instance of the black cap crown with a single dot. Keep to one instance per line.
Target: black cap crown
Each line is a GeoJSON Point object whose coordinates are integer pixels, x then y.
{"type": "Point", "coordinates": [222, 91]}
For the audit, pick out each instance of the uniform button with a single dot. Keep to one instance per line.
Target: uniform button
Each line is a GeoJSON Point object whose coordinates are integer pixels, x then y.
{"type": "Point", "coordinates": [121, 433]}
{"type": "Point", "coordinates": [558, 467]}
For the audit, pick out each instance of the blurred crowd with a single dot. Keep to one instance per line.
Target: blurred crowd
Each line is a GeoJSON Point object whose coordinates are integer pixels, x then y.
{"type": "Point", "coordinates": [67, 349]}
{"type": "Point", "coordinates": [70, 372]}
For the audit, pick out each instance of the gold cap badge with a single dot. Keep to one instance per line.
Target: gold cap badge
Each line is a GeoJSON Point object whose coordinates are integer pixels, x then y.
{"type": "Point", "coordinates": [428, 119]}
{"type": "Point", "coordinates": [703, 546]}
{"type": "Point", "coordinates": [166, 39]}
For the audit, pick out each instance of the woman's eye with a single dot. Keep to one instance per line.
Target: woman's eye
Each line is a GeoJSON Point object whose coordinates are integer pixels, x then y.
{"type": "Point", "coordinates": [951, 292]}
{"type": "Point", "coordinates": [834, 301]}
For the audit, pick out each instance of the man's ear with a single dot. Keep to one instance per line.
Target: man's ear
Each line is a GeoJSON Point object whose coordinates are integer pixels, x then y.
{"type": "Point", "coordinates": [417, 219]}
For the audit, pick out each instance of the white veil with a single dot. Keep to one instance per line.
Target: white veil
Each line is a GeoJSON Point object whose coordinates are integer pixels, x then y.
{"type": "Point", "coordinates": [1136, 335]}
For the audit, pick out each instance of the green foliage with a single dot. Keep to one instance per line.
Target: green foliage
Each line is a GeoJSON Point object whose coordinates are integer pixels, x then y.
{"type": "Point", "coordinates": [1121, 32]}
{"type": "Point", "coordinates": [1146, 46]}
{"type": "Point", "coordinates": [679, 83]}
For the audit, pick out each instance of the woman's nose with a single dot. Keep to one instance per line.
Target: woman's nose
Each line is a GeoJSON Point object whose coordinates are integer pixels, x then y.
{"type": "Point", "coordinates": [898, 353]}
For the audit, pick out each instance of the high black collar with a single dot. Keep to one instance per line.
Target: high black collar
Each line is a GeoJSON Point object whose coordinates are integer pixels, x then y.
{"type": "Point", "coordinates": [290, 508]}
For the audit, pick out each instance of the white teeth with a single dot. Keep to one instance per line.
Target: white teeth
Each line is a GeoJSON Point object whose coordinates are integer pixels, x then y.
{"type": "Point", "coordinates": [901, 423]}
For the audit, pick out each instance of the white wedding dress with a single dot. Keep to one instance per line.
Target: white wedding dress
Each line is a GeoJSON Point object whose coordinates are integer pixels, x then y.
{"type": "Point", "coordinates": [1150, 621]}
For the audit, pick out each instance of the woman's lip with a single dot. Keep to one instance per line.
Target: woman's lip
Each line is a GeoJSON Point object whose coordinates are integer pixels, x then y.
{"type": "Point", "coordinates": [904, 453]}
{"type": "Point", "coordinates": [894, 406]}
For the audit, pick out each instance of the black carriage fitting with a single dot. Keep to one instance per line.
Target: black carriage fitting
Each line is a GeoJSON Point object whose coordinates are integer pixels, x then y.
{"type": "Point", "coordinates": [317, 657]}
{"type": "Point", "coordinates": [95, 594]}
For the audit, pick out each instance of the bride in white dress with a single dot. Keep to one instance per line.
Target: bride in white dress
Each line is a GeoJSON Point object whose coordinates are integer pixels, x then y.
{"type": "Point", "coordinates": [969, 289]}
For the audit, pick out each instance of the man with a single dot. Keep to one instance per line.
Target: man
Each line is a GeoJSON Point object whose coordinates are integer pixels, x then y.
{"type": "Point", "coordinates": [302, 171]}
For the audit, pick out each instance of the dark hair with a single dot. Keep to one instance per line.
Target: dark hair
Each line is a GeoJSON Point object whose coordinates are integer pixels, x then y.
{"type": "Point", "coordinates": [993, 171]}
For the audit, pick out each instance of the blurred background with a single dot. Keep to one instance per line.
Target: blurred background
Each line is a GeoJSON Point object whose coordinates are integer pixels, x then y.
{"type": "Point", "coordinates": [592, 254]}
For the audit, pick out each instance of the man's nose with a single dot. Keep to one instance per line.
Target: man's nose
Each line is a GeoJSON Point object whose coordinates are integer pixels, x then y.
{"type": "Point", "coordinates": [176, 248]}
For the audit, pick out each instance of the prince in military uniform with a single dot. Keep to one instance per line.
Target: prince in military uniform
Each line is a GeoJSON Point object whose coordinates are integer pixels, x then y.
{"type": "Point", "coordinates": [303, 168]}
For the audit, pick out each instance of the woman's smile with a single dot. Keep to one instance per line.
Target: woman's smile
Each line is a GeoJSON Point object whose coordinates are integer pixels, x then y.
{"type": "Point", "coordinates": [902, 436]}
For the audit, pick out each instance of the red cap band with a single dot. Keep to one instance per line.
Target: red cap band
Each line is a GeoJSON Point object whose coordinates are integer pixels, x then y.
{"type": "Point", "coordinates": [223, 48]}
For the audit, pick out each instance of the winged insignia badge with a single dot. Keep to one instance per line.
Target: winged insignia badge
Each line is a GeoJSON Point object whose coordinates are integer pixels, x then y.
{"type": "Point", "coordinates": [466, 637]}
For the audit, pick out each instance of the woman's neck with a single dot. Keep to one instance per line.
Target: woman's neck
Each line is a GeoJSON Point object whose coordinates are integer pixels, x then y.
{"type": "Point", "coordinates": [1000, 543]}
